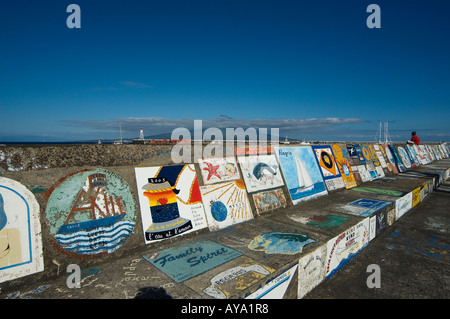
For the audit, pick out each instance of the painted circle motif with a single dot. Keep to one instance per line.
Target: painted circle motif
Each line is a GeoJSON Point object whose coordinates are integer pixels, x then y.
{"type": "Point", "coordinates": [219, 211]}
{"type": "Point", "coordinates": [90, 213]}
{"type": "Point", "coordinates": [326, 158]}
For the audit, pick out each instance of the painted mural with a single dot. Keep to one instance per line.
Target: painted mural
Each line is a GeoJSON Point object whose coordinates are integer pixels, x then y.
{"type": "Point", "coordinates": [378, 223]}
{"type": "Point", "coordinates": [411, 156]}
{"type": "Point", "coordinates": [328, 167]}
{"type": "Point", "coordinates": [20, 232]}
{"type": "Point", "coordinates": [328, 221]}
{"type": "Point", "coordinates": [266, 201]}
{"type": "Point", "coordinates": [260, 172]}
{"type": "Point", "coordinates": [379, 191]}
{"type": "Point", "coordinates": [380, 156]}
{"type": "Point", "coordinates": [216, 170]}
{"type": "Point", "coordinates": [90, 213]}
{"type": "Point", "coordinates": [226, 204]}
{"type": "Point", "coordinates": [275, 288]}
{"type": "Point", "coordinates": [355, 171]}
{"type": "Point", "coordinates": [189, 260]}
{"type": "Point", "coordinates": [364, 173]}
{"type": "Point", "coordinates": [365, 153]}
{"type": "Point", "coordinates": [311, 270]}
{"type": "Point", "coordinates": [280, 243]}
{"type": "Point", "coordinates": [390, 158]}
{"type": "Point", "coordinates": [363, 207]}
{"type": "Point", "coordinates": [344, 166]}
{"type": "Point", "coordinates": [403, 205]}
{"type": "Point", "coordinates": [359, 154]}
{"type": "Point", "coordinates": [301, 173]}
{"type": "Point", "coordinates": [352, 153]}
{"type": "Point", "coordinates": [170, 201]}
{"type": "Point", "coordinates": [404, 157]}
{"type": "Point", "coordinates": [397, 159]}
{"type": "Point", "coordinates": [345, 246]}
{"type": "Point", "coordinates": [230, 280]}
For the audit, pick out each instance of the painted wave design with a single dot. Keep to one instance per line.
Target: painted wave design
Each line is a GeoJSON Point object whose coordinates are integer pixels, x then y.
{"type": "Point", "coordinates": [98, 240]}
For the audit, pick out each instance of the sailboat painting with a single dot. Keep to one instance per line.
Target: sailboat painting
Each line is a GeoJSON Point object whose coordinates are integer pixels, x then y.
{"type": "Point", "coordinates": [301, 173]}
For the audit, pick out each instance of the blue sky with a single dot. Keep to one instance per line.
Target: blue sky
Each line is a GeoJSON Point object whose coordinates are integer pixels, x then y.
{"type": "Point", "coordinates": [313, 69]}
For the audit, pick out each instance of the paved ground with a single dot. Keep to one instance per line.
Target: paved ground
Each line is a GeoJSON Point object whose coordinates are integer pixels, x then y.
{"type": "Point", "coordinates": [413, 258]}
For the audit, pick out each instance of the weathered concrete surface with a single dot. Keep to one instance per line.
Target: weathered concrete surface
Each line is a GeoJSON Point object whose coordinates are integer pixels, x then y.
{"type": "Point", "coordinates": [413, 256]}
{"type": "Point", "coordinates": [14, 158]}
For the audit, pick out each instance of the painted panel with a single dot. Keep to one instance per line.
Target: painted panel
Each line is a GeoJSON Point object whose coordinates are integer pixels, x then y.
{"type": "Point", "coordinates": [364, 173]}
{"type": "Point", "coordinates": [380, 156]}
{"type": "Point", "coordinates": [390, 157]}
{"type": "Point", "coordinates": [416, 196]}
{"type": "Point", "coordinates": [372, 227]}
{"type": "Point", "coordinates": [216, 170]}
{"type": "Point", "coordinates": [366, 153]}
{"type": "Point", "coordinates": [325, 222]}
{"type": "Point", "coordinates": [90, 213]}
{"type": "Point", "coordinates": [412, 155]}
{"type": "Point", "coordinates": [352, 151]}
{"type": "Point", "coordinates": [301, 173]}
{"type": "Point", "coordinates": [379, 191]}
{"type": "Point", "coordinates": [355, 171]}
{"type": "Point", "coordinates": [381, 221]}
{"type": "Point", "coordinates": [269, 200]}
{"type": "Point", "coordinates": [311, 270]}
{"type": "Point", "coordinates": [403, 205]}
{"type": "Point", "coordinates": [345, 246]}
{"type": "Point", "coordinates": [232, 279]}
{"type": "Point", "coordinates": [275, 288]}
{"type": "Point", "coordinates": [189, 260]}
{"type": "Point", "coordinates": [328, 167]}
{"type": "Point", "coordinates": [344, 166]}
{"type": "Point", "coordinates": [20, 232]}
{"type": "Point", "coordinates": [398, 161]}
{"type": "Point", "coordinates": [362, 207]}
{"type": "Point", "coordinates": [260, 172]}
{"type": "Point", "coordinates": [362, 159]}
{"type": "Point", "coordinates": [280, 243]}
{"type": "Point", "coordinates": [404, 157]}
{"type": "Point", "coordinates": [226, 204]}
{"type": "Point", "coordinates": [170, 201]}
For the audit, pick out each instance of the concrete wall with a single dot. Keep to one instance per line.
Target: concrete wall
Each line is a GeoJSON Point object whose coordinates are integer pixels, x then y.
{"type": "Point", "coordinates": [57, 185]}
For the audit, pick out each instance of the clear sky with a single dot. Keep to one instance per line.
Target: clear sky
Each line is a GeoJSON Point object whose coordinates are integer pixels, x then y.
{"type": "Point", "coordinates": [311, 68]}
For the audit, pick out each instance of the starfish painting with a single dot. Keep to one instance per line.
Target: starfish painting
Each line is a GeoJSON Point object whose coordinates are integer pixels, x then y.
{"type": "Point", "coordinates": [212, 170]}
